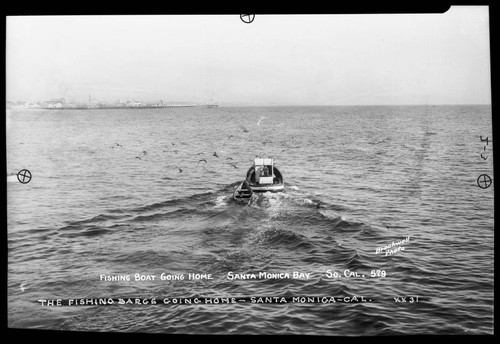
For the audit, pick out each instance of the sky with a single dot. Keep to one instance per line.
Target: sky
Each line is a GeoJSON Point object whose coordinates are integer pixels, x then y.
{"type": "Point", "coordinates": [369, 59]}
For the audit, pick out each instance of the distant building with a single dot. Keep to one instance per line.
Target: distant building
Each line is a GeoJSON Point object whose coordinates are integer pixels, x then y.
{"type": "Point", "coordinates": [56, 103]}
{"type": "Point", "coordinates": [22, 105]}
{"type": "Point", "coordinates": [32, 105]}
{"type": "Point", "coordinates": [134, 103]}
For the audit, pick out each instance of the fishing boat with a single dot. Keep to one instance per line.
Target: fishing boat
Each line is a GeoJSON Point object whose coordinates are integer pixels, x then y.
{"type": "Point", "coordinates": [263, 176]}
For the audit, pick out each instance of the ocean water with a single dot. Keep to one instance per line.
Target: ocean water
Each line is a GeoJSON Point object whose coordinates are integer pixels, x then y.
{"type": "Point", "coordinates": [382, 228]}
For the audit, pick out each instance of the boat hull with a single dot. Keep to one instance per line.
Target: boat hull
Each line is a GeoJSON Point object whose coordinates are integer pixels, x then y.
{"type": "Point", "coordinates": [245, 191]}
{"type": "Point", "coordinates": [267, 188]}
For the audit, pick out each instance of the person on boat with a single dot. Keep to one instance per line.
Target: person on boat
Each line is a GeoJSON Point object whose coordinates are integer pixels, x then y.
{"type": "Point", "coordinates": [261, 172]}
{"type": "Point", "coordinates": [265, 172]}
{"type": "Point", "coordinates": [258, 172]}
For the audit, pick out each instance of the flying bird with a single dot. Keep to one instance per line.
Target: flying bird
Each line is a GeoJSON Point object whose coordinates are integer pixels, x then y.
{"type": "Point", "coordinates": [215, 155]}
{"type": "Point", "coordinates": [201, 160]}
{"type": "Point", "coordinates": [180, 170]}
{"type": "Point", "coordinates": [137, 157]}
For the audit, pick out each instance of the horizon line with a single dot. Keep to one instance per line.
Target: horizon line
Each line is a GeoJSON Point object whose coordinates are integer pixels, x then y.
{"type": "Point", "coordinates": [223, 104]}
{"type": "Point", "coordinates": [422, 104]}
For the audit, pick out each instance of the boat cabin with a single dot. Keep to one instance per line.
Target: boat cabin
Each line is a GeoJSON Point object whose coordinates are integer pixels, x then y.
{"type": "Point", "coordinates": [263, 172]}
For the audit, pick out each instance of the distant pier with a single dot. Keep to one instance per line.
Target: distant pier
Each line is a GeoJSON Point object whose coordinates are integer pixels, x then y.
{"type": "Point", "coordinates": [111, 107]}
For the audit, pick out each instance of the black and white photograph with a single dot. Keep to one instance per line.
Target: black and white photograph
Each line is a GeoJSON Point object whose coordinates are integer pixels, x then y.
{"type": "Point", "coordinates": [250, 174]}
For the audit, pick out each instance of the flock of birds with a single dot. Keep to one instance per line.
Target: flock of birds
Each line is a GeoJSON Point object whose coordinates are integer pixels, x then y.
{"type": "Point", "coordinates": [203, 159]}
{"type": "Point", "coordinates": [229, 161]}
{"type": "Point", "coordinates": [215, 154]}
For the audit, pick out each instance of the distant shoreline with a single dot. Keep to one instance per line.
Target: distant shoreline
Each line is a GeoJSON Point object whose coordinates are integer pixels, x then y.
{"type": "Point", "coordinates": [115, 107]}
{"type": "Point", "coordinates": [232, 105]}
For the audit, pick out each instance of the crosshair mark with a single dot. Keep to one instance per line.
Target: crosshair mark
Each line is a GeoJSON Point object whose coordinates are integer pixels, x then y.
{"type": "Point", "coordinates": [24, 176]}
{"type": "Point", "coordinates": [247, 18]}
{"type": "Point", "coordinates": [484, 181]}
